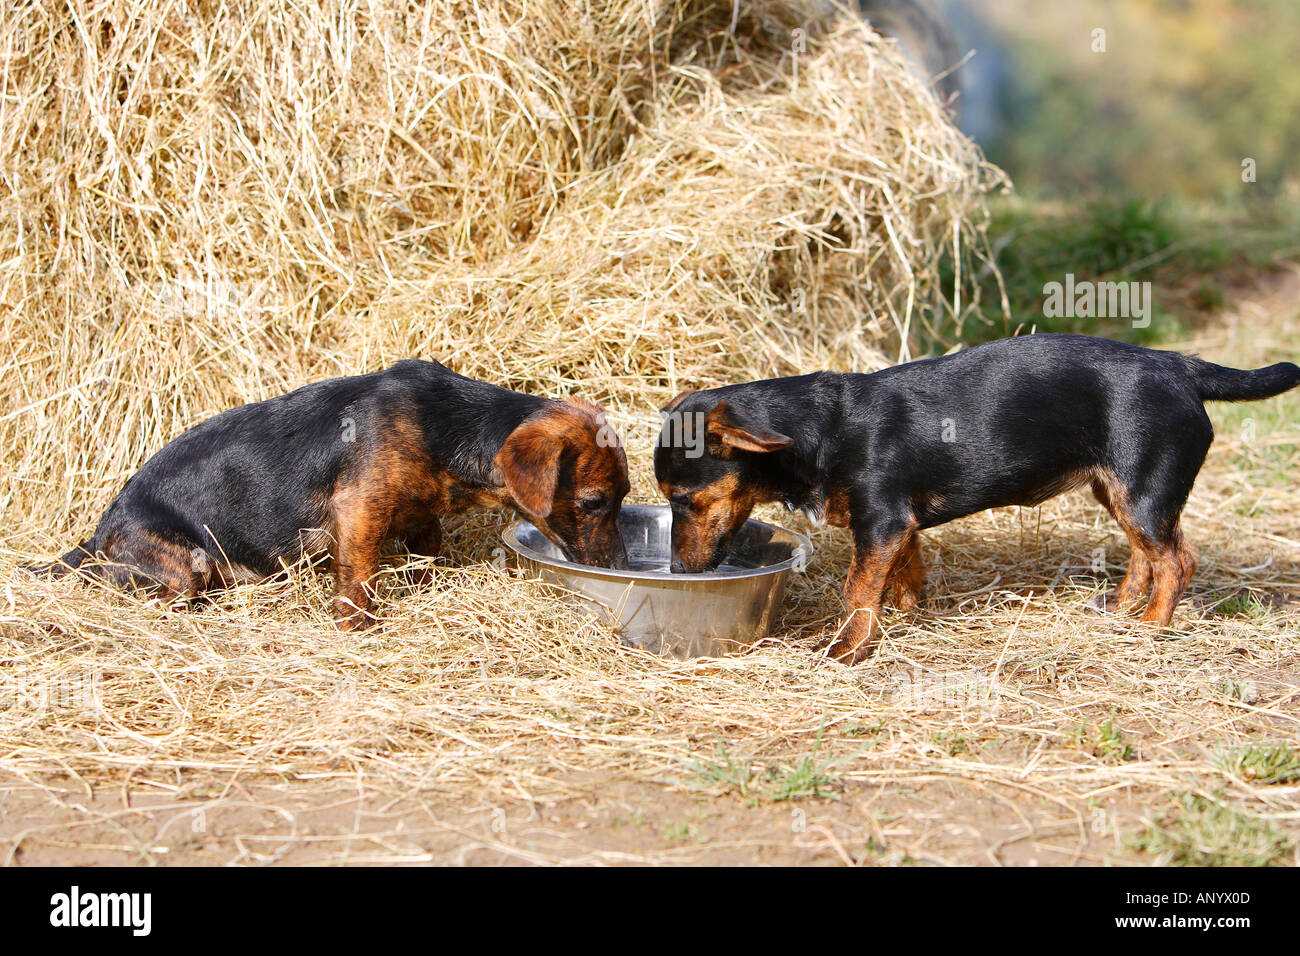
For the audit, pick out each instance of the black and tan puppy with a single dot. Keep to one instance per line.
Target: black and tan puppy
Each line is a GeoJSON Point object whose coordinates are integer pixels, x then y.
{"type": "Point", "coordinates": [1013, 422]}
{"type": "Point", "coordinates": [348, 464]}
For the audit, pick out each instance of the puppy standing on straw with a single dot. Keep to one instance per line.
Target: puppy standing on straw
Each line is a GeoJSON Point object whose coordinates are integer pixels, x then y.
{"type": "Point", "coordinates": [1011, 422]}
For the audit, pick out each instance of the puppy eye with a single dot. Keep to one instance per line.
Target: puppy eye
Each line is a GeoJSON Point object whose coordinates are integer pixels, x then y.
{"type": "Point", "coordinates": [680, 502]}
{"type": "Point", "coordinates": [592, 502]}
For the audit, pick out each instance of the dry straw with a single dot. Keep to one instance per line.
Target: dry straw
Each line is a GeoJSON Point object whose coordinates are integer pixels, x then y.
{"type": "Point", "coordinates": [208, 204]}
{"type": "Point", "coordinates": [213, 204]}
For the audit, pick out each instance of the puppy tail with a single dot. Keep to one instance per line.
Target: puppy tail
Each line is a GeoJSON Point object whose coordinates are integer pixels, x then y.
{"type": "Point", "coordinates": [64, 565]}
{"type": "Point", "coordinates": [1217, 383]}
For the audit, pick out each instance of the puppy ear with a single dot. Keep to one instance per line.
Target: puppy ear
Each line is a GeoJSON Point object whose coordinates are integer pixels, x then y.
{"type": "Point", "coordinates": [529, 464]}
{"type": "Point", "coordinates": [733, 428]}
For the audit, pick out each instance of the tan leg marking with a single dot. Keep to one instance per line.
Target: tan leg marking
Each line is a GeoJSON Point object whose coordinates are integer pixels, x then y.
{"type": "Point", "coordinates": [1132, 590]}
{"type": "Point", "coordinates": [1172, 568]}
{"type": "Point", "coordinates": [907, 579]}
{"type": "Point", "coordinates": [863, 592]}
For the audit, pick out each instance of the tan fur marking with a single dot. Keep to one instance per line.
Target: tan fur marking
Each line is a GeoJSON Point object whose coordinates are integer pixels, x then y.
{"type": "Point", "coordinates": [864, 593]}
{"type": "Point", "coordinates": [717, 511]}
{"type": "Point", "coordinates": [837, 508]}
{"type": "Point", "coordinates": [907, 579]}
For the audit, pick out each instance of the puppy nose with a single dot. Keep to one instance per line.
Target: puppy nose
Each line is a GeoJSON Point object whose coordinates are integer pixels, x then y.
{"type": "Point", "coordinates": [677, 566]}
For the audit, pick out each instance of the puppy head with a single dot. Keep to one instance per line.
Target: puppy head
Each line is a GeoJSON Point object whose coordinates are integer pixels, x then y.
{"type": "Point", "coordinates": [566, 471]}
{"type": "Point", "coordinates": [709, 463]}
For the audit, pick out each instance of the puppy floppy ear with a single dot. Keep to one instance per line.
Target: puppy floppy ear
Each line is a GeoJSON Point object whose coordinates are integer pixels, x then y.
{"type": "Point", "coordinates": [732, 428]}
{"type": "Point", "coordinates": [529, 465]}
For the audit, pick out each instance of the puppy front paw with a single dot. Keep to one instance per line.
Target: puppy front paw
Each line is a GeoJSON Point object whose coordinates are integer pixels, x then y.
{"type": "Point", "coordinates": [348, 616]}
{"type": "Point", "coordinates": [855, 643]}
{"type": "Point", "coordinates": [1114, 602]}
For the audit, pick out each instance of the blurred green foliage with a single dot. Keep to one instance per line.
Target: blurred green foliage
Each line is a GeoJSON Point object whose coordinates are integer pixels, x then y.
{"type": "Point", "coordinates": [1193, 254]}
{"type": "Point", "coordinates": [1127, 163]}
{"type": "Point", "coordinates": [1183, 93]}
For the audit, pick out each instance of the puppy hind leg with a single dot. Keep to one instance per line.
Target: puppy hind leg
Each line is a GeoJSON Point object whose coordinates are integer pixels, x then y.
{"type": "Point", "coordinates": [1172, 570]}
{"type": "Point", "coordinates": [1156, 506]}
{"type": "Point", "coordinates": [1132, 590]}
{"type": "Point", "coordinates": [1172, 562]}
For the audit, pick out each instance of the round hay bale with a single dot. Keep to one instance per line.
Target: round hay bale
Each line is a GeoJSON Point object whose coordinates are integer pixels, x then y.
{"type": "Point", "coordinates": [211, 206]}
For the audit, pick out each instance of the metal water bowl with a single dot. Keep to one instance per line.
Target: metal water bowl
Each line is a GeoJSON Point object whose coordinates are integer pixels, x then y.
{"type": "Point", "coordinates": [681, 615]}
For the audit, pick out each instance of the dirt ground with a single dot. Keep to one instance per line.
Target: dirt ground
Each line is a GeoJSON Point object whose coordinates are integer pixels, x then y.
{"type": "Point", "coordinates": [1002, 723]}
{"type": "Point", "coordinates": [939, 820]}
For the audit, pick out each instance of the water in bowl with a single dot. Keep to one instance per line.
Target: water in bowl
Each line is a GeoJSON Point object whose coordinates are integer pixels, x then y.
{"type": "Point", "coordinates": [641, 562]}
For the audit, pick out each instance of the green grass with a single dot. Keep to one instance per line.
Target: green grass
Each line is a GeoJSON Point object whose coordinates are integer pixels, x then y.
{"type": "Point", "coordinates": [728, 773]}
{"type": "Point", "coordinates": [809, 776]}
{"type": "Point", "coordinates": [1244, 604]}
{"type": "Point", "coordinates": [1110, 743]}
{"type": "Point", "coordinates": [1106, 742]}
{"type": "Point", "coordinates": [1262, 763]}
{"type": "Point", "coordinates": [953, 742]}
{"type": "Point", "coordinates": [1128, 163]}
{"type": "Point", "coordinates": [1269, 462]}
{"type": "Point", "coordinates": [636, 819]}
{"type": "Point", "coordinates": [1245, 691]}
{"type": "Point", "coordinates": [1185, 90]}
{"type": "Point", "coordinates": [856, 728]}
{"type": "Point", "coordinates": [1190, 254]}
{"type": "Point", "coordinates": [681, 832]}
{"type": "Point", "coordinates": [1198, 831]}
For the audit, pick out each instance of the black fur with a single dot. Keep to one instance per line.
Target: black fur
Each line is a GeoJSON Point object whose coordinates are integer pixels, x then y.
{"type": "Point", "coordinates": [1012, 422]}
{"type": "Point", "coordinates": [245, 484]}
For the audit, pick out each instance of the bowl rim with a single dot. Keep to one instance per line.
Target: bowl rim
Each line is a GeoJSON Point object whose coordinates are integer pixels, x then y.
{"type": "Point", "coordinates": [801, 546]}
